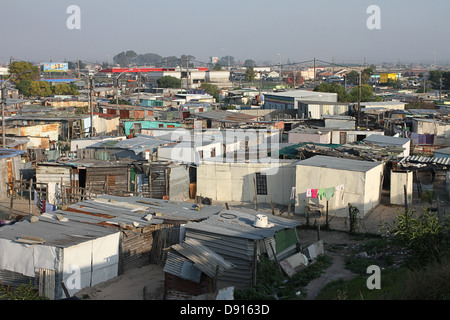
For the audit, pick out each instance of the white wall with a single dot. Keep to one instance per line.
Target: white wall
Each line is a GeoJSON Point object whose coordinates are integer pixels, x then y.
{"type": "Point", "coordinates": [372, 193]}
{"type": "Point", "coordinates": [97, 260]}
{"type": "Point", "coordinates": [398, 181]}
{"type": "Point", "coordinates": [356, 186]}
{"type": "Point", "coordinates": [234, 182]}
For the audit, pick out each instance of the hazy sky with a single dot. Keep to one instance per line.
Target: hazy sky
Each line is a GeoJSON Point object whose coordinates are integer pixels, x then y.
{"type": "Point", "coordinates": [299, 30]}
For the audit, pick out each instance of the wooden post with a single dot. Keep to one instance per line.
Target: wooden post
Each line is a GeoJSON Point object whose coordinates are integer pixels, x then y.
{"type": "Point", "coordinates": [11, 205]}
{"type": "Point", "coordinates": [30, 208]}
{"type": "Point", "coordinates": [275, 257]}
{"type": "Point", "coordinates": [63, 193]}
{"type": "Point", "coordinates": [256, 195]}
{"type": "Point", "coordinates": [326, 222]}
{"type": "Point", "coordinates": [273, 209]}
{"type": "Point", "coordinates": [226, 206]}
{"type": "Point", "coordinates": [406, 197]}
{"type": "Point", "coordinates": [318, 231]}
{"type": "Point", "coordinates": [66, 292]}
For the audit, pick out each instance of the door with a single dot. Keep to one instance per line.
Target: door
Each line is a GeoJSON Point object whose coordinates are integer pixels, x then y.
{"type": "Point", "coordinates": [342, 137]}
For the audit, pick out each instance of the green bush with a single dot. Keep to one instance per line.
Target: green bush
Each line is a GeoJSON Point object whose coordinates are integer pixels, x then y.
{"type": "Point", "coordinates": [22, 292]}
{"type": "Point", "coordinates": [425, 236]}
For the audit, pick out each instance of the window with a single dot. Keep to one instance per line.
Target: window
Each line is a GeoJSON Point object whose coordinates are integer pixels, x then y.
{"type": "Point", "coordinates": [261, 183]}
{"type": "Point", "coordinates": [213, 152]}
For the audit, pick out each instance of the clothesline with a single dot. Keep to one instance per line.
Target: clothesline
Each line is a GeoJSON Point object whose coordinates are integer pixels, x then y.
{"type": "Point", "coordinates": [327, 193]}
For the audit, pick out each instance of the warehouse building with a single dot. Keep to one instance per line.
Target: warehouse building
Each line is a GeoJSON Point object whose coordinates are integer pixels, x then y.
{"type": "Point", "coordinates": [289, 100]}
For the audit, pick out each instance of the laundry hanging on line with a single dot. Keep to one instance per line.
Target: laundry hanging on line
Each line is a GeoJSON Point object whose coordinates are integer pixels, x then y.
{"type": "Point", "coordinates": [327, 193]}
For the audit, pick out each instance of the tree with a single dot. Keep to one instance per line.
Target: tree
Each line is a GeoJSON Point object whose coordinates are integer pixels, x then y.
{"type": "Point", "coordinates": [124, 59]}
{"type": "Point", "coordinates": [435, 77]}
{"type": "Point", "coordinates": [211, 89]}
{"type": "Point", "coordinates": [343, 95]}
{"type": "Point", "coordinates": [190, 58]}
{"type": "Point", "coordinates": [75, 65]}
{"type": "Point", "coordinates": [21, 70]}
{"type": "Point", "coordinates": [168, 82]}
{"type": "Point", "coordinates": [250, 74]}
{"type": "Point", "coordinates": [366, 74]}
{"type": "Point", "coordinates": [148, 59]}
{"type": "Point", "coordinates": [366, 93]}
{"type": "Point", "coordinates": [64, 89]}
{"type": "Point", "coordinates": [23, 87]}
{"type": "Point", "coordinates": [217, 67]}
{"type": "Point", "coordinates": [39, 89]}
{"type": "Point", "coordinates": [249, 63]}
{"type": "Point", "coordinates": [352, 77]}
{"type": "Point", "coordinates": [170, 62]}
{"type": "Point", "coordinates": [226, 61]}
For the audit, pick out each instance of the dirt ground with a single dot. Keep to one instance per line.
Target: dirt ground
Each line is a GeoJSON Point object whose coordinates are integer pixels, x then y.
{"type": "Point", "coordinates": [147, 282]}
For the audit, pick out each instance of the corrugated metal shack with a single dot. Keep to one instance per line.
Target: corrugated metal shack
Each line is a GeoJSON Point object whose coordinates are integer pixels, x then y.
{"type": "Point", "coordinates": [192, 269]}
{"type": "Point", "coordinates": [147, 225]}
{"type": "Point", "coordinates": [161, 179]}
{"type": "Point", "coordinates": [233, 235]}
{"type": "Point", "coordinates": [78, 177]}
{"type": "Point", "coordinates": [52, 251]}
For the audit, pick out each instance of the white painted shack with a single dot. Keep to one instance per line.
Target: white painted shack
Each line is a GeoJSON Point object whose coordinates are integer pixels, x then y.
{"type": "Point", "coordinates": [241, 181]}
{"type": "Point", "coordinates": [50, 251]}
{"type": "Point", "coordinates": [343, 181]}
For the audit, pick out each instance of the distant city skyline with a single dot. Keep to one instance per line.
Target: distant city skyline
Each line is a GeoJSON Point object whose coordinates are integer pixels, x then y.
{"type": "Point", "coordinates": [411, 31]}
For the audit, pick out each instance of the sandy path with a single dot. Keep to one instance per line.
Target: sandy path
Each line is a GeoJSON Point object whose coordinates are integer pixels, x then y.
{"type": "Point", "coordinates": [334, 272]}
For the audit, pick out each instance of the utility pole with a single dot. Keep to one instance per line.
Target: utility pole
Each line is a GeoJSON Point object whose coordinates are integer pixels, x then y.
{"type": "Point", "coordinates": [139, 91]}
{"type": "Point", "coordinates": [188, 75]}
{"type": "Point", "coordinates": [3, 102]}
{"type": "Point", "coordinates": [314, 72]}
{"type": "Point", "coordinates": [91, 108]}
{"type": "Point", "coordinates": [359, 98]}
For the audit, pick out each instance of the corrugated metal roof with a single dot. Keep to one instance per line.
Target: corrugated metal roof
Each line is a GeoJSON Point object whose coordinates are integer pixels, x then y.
{"type": "Point", "coordinates": [138, 144]}
{"type": "Point", "coordinates": [339, 163]}
{"type": "Point", "coordinates": [116, 209]}
{"type": "Point", "coordinates": [382, 139]}
{"type": "Point", "coordinates": [10, 153]}
{"type": "Point", "coordinates": [443, 150]}
{"type": "Point", "coordinates": [181, 267]}
{"type": "Point", "coordinates": [425, 160]}
{"type": "Point", "coordinates": [240, 224]}
{"type": "Point", "coordinates": [203, 258]}
{"type": "Point", "coordinates": [54, 232]}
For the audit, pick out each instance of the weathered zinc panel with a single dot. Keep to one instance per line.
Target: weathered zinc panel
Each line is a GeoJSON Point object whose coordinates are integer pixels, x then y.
{"type": "Point", "coordinates": [238, 251]}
